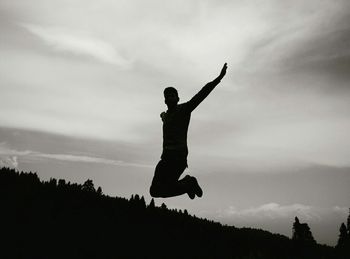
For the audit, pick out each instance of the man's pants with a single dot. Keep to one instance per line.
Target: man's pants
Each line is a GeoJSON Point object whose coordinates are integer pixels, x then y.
{"type": "Point", "coordinates": [166, 182]}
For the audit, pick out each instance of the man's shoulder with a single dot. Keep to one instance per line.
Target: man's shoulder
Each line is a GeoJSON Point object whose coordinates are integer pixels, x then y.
{"type": "Point", "coordinates": [180, 108]}
{"type": "Point", "coordinates": [183, 107]}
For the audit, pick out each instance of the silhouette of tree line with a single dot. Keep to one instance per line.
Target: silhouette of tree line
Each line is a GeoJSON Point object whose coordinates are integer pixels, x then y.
{"type": "Point", "coordinates": [343, 245]}
{"type": "Point", "coordinates": [302, 233]}
{"type": "Point", "coordinates": [59, 219]}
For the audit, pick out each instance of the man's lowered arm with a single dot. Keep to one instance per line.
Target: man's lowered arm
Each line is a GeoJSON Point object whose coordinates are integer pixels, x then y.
{"type": "Point", "coordinates": [205, 91]}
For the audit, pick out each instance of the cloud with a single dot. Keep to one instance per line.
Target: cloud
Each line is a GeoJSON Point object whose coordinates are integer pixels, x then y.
{"type": "Point", "coordinates": [62, 39]}
{"type": "Point", "coordinates": [87, 159]}
{"type": "Point", "coordinates": [323, 221]}
{"type": "Point", "coordinates": [273, 210]}
{"type": "Point", "coordinates": [8, 161]}
{"type": "Point", "coordinates": [182, 44]}
{"type": "Point", "coordinates": [340, 210]}
{"type": "Point", "coordinates": [9, 157]}
{"type": "Point", "coordinates": [312, 37]}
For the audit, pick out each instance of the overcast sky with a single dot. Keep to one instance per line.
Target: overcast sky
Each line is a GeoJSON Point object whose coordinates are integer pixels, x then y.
{"type": "Point", "coordinates": [81, 92]}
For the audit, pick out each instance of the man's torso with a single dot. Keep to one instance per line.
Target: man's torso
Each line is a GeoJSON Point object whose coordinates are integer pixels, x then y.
{"type": "Point", "coordinates": [175, 128]}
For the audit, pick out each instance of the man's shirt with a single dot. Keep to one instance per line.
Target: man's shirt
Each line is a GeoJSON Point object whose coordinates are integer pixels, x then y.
{"type": "Point", "coordinates": [177, 120]}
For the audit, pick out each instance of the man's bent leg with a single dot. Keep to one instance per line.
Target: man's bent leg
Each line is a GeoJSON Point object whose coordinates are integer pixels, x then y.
{"type": "Point", "coordinates": [166, 190]}
{"type": "Point", "coordinates": [165, 182]}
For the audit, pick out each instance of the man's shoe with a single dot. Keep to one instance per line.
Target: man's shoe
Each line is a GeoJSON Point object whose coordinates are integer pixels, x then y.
{"type": "Point", "coordinates": [196, 188]}
{"type": "Point", "coordinates": [191, 193]}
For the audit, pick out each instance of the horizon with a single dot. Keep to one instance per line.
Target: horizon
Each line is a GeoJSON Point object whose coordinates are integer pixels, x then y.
{"type": "Point", "coordinates": [82, 90]}
{"type": "Point", "coordinates": [98, 190]}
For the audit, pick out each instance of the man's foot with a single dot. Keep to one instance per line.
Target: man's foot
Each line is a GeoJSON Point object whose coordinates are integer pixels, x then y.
{"type": "Point", "coordinates": [196, 188]}
{"type": "Point", "coordinates": [191, 193]}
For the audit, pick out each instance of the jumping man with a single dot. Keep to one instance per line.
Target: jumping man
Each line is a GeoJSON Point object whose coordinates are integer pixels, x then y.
{"type": "Point", "coordinates": [173, 161]}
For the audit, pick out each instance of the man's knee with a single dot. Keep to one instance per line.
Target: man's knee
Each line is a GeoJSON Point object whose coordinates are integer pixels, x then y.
{"type": "Point", "coordinates": [155, 191]}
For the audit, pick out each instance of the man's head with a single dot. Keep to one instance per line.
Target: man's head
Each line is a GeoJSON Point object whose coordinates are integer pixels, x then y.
{"type": "Point", "coordinates": [171, 97]}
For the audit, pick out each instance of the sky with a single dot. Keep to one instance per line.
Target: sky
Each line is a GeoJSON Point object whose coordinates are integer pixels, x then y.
{"type": "Point", "coordinates": [81, 92]}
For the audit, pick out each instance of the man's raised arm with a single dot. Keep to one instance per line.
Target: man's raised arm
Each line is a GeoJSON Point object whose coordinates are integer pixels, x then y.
{"type": "Point", "coordinates": [205, 91]}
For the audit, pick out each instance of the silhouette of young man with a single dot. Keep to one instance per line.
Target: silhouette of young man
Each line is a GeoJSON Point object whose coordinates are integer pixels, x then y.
{"type": "Point", "coordinates": [173, 161]}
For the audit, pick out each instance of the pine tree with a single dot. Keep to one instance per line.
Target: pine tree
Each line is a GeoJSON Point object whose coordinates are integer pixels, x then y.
{"type": "Point", "coordinates": [348, 224]}
{"type": "Point", "coordinates": [343, 236]}
{"type": "Point", "coordinates": [53, 182]}
{"type": "Point", "coordinates": [143, 202]}
{"type": "Point", "coordinates": [61, 182]}
{"type": "Point", "coordinates": [88, 186]}
{"type": "Point", "coordinates": [151, 204]}
{"type": "Point", "coordinates": [302, 232]}
{"type": "Point", "coordinates": [296, 227]}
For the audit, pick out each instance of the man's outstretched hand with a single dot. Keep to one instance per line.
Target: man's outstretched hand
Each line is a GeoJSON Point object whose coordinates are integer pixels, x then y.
{"type": "Point", "coordinates": [223, 71]}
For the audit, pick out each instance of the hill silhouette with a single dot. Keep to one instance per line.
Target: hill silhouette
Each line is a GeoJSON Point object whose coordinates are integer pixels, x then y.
{"type": "Point", "coordinates": [56, 219]}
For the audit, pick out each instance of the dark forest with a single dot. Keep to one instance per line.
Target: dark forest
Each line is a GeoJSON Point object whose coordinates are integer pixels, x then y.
{"type": "Point", "coordinates": [59, 219]}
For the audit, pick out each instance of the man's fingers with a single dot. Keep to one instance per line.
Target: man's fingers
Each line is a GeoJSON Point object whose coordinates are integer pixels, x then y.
{"type": "Point", "coordinates": [224, 67]}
